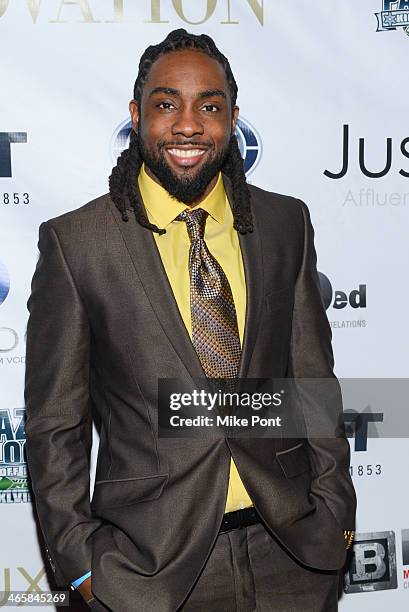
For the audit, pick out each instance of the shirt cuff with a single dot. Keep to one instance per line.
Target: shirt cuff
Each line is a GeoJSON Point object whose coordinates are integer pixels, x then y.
{"type": "Point", "coordinates": [76, 583]}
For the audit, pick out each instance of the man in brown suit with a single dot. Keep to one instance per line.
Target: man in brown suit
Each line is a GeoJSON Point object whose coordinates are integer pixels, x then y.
{"type": "Point", "coordinates": [123, 295]}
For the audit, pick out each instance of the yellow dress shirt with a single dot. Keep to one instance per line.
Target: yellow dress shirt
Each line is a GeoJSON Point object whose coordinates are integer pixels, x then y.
{"type": "Point", "coordinates": [223, 243]}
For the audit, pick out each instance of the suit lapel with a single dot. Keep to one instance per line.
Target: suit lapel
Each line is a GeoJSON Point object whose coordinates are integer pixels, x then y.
{"type": "Point", "coordinates": [146, 259]}
{"type": "Point", "coordinates": [250, 246]}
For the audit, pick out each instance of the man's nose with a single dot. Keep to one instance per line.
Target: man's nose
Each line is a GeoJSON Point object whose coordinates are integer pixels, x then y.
{"type": "Point", "coordinates": [188, 123]}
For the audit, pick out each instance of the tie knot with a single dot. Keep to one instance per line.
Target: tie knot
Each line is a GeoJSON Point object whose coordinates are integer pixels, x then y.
{"type": "Point", "coordinates": [195, 221]}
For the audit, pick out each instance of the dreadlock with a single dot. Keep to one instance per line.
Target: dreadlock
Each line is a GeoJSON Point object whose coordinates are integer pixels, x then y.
{"type": "Point", "coordinates": [122, 180]}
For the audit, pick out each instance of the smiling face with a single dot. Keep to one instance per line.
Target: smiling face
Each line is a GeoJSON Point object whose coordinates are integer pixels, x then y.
{"type": "Point", "coordinates": [185, 123]}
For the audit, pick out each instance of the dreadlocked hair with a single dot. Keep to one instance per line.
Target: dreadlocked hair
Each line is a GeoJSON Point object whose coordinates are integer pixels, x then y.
{"type": "Point", "coordinates": [122, 181]}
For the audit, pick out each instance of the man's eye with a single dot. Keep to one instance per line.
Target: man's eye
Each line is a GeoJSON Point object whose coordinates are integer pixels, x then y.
{"type": "Point", "coordinates": [211, 108]}
{"type": "Point", "coordinates": [165, 105]}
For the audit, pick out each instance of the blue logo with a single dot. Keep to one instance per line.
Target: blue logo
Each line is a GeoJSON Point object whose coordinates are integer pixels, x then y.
{"type": "Point", "coordinates": [249, 142]}
{"type": "Point", "coordinates": [4, 282]}
{"type": "Point", "coordinates": [395, 14]}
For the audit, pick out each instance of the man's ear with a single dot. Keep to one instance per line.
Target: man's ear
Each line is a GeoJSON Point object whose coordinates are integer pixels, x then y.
{"type": "Point", "coordinates": [235, 116]}
{"type": "Point", "coordinates": [134, 111]}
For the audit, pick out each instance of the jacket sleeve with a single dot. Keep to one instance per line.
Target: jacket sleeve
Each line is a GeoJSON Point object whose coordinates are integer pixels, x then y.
{"type": "Point", "coordinates": [58, 422]}
{"type": "Point", "coordinates": [311, 363]}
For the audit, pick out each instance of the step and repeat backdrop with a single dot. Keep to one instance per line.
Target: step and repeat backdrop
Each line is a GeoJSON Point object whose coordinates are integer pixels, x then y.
{"type": "Point", "coordinates": [323, 95]}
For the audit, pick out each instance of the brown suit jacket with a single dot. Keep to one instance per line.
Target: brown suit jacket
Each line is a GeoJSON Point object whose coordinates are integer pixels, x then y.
{"type": "Point", "coordinates": [103, 327]}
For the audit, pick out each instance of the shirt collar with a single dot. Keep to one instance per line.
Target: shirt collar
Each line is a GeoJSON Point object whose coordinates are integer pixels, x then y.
{"type": "Point", "coordinates": [163, 209]}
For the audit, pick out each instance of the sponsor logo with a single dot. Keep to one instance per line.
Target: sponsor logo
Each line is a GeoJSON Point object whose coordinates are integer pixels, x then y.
{"type": "Point", "coordinates": [356, 426]}
{"type": "Point", "coordinates": [373, 563]}
{"type": "Point", "coordinates": [405, 557]}
{"type": "Point", "coordinates": [9, 341]}
{"type": "Point", "coordinates": [149, 11]}
{"type": "Point", "coordinates": [4, 282]}
{"type": "Point", "coordinates": [405, 547]}
{"type": "Point", "coordinates": [394, 14]}
{"type": "Point", "coordinates": [342, 301]}
{"type": "Point", "coordinates": [249, 142]}
{"type": "Point", "coordinates": [6, 139]}
{"type": "Point", "coordinates": [384, 167]}
{"type": "Point", "coordinates": [13, 579]}
{"type": "Point", "coordinates": [13, 468]}
{"type": "Point", "coordinates": [356, 298]}
{"type": "Point", "coordinates": [250, 145]}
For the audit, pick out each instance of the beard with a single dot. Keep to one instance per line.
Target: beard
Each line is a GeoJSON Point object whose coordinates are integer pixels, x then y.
{"type": "Point", "coordinates": [187, 188]}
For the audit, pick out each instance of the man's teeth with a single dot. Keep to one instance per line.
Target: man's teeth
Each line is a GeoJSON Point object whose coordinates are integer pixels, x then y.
{"type": "Point", "coordinates": [186, 152]}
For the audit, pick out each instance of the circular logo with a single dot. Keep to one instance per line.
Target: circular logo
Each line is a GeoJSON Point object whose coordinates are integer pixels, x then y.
{"type": "Point", "coordinates": [4, 282]}
{"type": "Point", "coordinates": [249, 142]}
{"type": "Point", "coordinates": [326, 289]}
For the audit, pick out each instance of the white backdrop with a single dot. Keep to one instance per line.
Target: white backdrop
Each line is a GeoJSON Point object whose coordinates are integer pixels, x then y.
{"type": "Point", "coordinates": [305, 70]}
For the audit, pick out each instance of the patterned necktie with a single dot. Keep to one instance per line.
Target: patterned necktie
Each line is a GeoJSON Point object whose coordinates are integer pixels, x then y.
{"type": "Point", "coordinates": [215, 334]}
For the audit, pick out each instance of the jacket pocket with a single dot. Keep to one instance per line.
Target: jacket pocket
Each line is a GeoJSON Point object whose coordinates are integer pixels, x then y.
{"type": "Point", "coordinates": [294, 461]}
{"type": "Point", "coordinates": [127, 491]}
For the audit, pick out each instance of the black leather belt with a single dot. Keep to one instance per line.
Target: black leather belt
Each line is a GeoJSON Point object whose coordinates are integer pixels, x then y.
{"type": "Point", "coordinates": [239, 518]}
